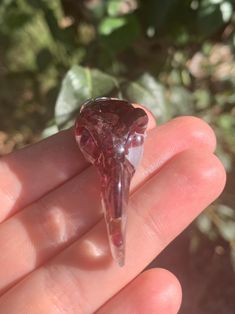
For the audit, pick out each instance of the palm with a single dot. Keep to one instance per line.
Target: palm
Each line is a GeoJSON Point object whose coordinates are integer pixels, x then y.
{"type": "Point", "coordinates": [53, 242]}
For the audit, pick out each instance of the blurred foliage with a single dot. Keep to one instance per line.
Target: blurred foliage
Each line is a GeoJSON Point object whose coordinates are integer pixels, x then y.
{"type": "Point", "coordinates": [174, 56]}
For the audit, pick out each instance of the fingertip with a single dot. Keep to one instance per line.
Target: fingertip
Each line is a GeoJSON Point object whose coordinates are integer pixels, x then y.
{"type": "Point", "coordinates": [203, 168]}
{"type": "Point", "coordinates": [215, 173]}
{"type": "Point", "coordinates": [200, 130]}
{"type": "Point", "coordinates": [153, 291]}
{"type": "Point", "coordinates": [162, 292]}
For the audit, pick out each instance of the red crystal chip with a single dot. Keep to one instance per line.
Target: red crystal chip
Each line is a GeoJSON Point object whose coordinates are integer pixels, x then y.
{"type": "Point", "coordinates": [110, 133]}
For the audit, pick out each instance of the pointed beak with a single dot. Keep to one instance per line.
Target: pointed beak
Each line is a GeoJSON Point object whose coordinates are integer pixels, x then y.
{"type": "Point", "coordinates": [115, 193]}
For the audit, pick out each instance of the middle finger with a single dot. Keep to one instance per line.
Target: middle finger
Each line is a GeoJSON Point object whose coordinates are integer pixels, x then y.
{"type": "Point", "coordinates": [46, 227]}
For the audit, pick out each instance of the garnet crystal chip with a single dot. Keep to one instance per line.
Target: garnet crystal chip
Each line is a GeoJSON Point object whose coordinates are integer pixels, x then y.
{"type": "Point", "coordinates": [110, 133]}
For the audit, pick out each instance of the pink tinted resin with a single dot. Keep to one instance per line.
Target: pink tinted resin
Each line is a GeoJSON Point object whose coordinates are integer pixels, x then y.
{"type": "Point", "coordinates": [110, 133]}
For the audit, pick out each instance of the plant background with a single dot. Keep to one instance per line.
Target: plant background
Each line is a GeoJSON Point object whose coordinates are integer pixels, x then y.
{"type": "Point", "coordinates": [175, 56]}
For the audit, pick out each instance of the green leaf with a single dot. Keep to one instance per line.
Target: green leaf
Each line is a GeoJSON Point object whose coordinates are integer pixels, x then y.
{"type": "Point", "coordinates": [149, 92]}
{"type": "Point", "coordinates": [80, 84]}
{"type": "Point", "coordinates": [204, 223]}
{"type": "Point", "coordinates": [225, 212]}
{"type": "Point", "coordinates": [121, 34]}
{"type": "Point", "coordinates": [94, 9]}
{"type": "Point", "coordinates": [51, 18]}
{"type": "Point", "coordinates": [226, 121]}
{"type": "Point", "coordinates": [49, 131]}
{"type": "Point", "coordinates": [44, 59]}
{"type": "Point", "coordinates": [202, 98]}
{"type": "Point", "coordinates": [156, 13]}
{"type": "Point", "coordinates": [209, 18]}
{"type": "Point", "coordinates": [226, 9]}
{"type": "Point", "coordinates": [52, 23]}
{"type": "Point", "coordinates": [122, 7]}
{"type": "Point", "coordinates": [227, 230]}
{"type": "Point", "coordinates": [36, 4]}
{"type": "Point", "coordinates": [109, 24]}
{"type": "Point", "coordinates": [15, 20]}
{"type": "Point", "coordinates": [113, 7]}
{"type": "Point", "coordinates": [181, 101]}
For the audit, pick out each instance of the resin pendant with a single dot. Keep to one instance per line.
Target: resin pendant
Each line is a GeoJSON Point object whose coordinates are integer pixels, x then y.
{"type": "Point", "coordinates": [110, 133]}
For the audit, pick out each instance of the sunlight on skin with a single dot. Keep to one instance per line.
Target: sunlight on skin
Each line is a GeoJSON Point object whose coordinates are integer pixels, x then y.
{"type": "Point", "coordinates": [55, 224]}
{"type": "Point", "coordinates": [185, 132]}
{"type": "Point", "coordinates": [25, 258]}
{"type": "Point", "coordinates": [29, 173]}
{"type": "Point", "coordinates": [93, 250]}
{"type": "Point", "coordinates": [153, 291]}
{"type": "Point", "coordinates": [149, 231]}
{"type": "Point", "coordinates": [57, 165]}
{"type": "Point", "coordinates": [10, 189]}
{"type": "Point", "coordinates": [66, 213]}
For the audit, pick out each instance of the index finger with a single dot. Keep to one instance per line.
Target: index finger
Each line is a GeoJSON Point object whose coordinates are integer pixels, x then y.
{"type": "Point", "coordinates": [28, 174]}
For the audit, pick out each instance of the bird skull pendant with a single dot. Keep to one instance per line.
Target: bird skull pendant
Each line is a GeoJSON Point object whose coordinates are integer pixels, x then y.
{"type": "Point", "coordinates": [110, 133]}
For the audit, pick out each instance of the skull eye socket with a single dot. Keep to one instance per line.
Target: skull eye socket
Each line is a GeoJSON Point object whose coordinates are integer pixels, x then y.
{"type": "Point", "coordinates": [135, 148]}
{"type": "Point", "coordinates": [87, 145]}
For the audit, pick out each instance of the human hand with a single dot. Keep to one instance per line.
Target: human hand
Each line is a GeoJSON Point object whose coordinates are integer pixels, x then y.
{"type": "Point", "coordinates": [53, 241]}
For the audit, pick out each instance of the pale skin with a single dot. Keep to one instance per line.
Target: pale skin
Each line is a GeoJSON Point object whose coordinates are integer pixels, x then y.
{"type": "Point", "coordinates": [54, 251]}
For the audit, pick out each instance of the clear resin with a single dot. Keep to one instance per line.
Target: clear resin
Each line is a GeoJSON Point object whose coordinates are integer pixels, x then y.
{"type": "Point", "coordinates": [110, 133]}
